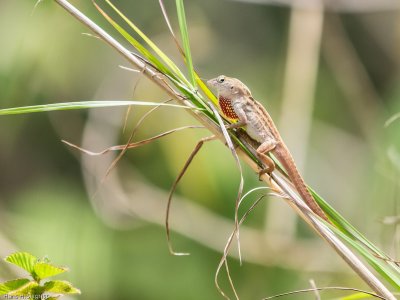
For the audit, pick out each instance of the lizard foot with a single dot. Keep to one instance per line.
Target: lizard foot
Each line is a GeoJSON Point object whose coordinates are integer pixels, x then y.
{"type": "Point", "coordinates": [267, 171]}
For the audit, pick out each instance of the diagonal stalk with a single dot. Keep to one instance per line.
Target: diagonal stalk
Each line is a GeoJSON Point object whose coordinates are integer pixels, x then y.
{"type": "Point", "coordinates": [277, 180]}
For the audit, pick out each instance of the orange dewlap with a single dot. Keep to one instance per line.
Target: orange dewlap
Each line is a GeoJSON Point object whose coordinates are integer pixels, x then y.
{"type": "Point", "coordinates": [227, 109]}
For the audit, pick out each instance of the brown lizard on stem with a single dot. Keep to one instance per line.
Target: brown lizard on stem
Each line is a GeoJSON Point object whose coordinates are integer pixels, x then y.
{"type": "Point", "coordinates": [237, 103]}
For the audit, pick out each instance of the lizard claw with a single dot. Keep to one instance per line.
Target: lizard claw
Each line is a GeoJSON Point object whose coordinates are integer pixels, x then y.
{"type": "Point", "coordinates": [264, 171]}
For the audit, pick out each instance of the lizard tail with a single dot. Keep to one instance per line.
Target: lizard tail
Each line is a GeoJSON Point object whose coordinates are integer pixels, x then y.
{"type": "Point", "coordinates": [287, 161]}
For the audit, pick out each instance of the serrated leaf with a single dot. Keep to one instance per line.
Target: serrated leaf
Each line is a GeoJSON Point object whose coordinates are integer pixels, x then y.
{"type": "Point", "coordinates": [24, 260]}
{"type": "Point", "coordinates": [12, 285]}
{"type": "Point", "coordinates": [60, 287]}
{"type": "Point", "coordinates": [43, 270]}
{"type": "Point", "coordinates": [25, 290]}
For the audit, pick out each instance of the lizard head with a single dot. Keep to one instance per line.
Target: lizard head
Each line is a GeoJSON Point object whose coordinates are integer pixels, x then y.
{"type": "Point", "coordinates": [228, 87]}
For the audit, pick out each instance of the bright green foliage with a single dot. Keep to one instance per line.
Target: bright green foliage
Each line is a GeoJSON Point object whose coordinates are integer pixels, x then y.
{"type": "Point", "coordinates": [80, 105]}
{"type": "Point", "coordinates": [60, 287]}
{"type": "Point", "coordinates": [38, 269]}
{"type": "Point", "coordinates": [357, 296]}
{"type": "Point", "coordinates": [23, 260]}
{"type": "Point", "coordinates": [12, 285]}
{"type": "Point", "coordinates": [30, 288]}
{"type": "Point", "coordinates": [44, 270]}
{"type": "Point", "coordinates": [185, 39]}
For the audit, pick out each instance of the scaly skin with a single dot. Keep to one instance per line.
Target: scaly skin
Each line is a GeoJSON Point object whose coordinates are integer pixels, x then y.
{"type": "Point", "coordinates": [237, 103]}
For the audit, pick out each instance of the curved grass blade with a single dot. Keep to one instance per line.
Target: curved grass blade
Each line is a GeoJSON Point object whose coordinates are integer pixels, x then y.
{"type": "Point", "coordinates": [185, 40]}
{"type": "Point", "coordinates": [173, 67]}
{"type": "Point", "coordinates": [82, 105]}
{"type": "Point", "coordinates": [376, 257]}
{"type": "Point", "coordinates": [205, 89]}
{"type": "Point", "coordinates": [192, 155]}
{"type": "Point", "coordinates": [131, 145]}
{"type": "Point", "coordinates": [380, 266]}
{"type": "Point", "coordinates": [164, 11]}
{"type": "Point", "coordinates": [392, 119]}
{"type": "Point", "coordinates": [199, 81]}
{"type": "Point", "coordinates": [135, 43]}
{"type": "Point", "coordinates": [364, 293]}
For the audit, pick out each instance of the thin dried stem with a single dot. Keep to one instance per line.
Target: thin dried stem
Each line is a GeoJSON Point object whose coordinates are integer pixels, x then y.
{"type": "Point", "coordinates": [314, 287]}
{"type": "Point", "coordinates": [131, 145]}
{"type": "Point", "coordinates": [173, 188]}
{"type": "Point", "coordinates": [228, 244]}
{"type": "Point", "coordinates": [339, 288]}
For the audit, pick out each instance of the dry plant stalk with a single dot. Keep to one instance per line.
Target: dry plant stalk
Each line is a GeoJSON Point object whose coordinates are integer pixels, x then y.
{"type": "Point", "coordinates": [277, 181]}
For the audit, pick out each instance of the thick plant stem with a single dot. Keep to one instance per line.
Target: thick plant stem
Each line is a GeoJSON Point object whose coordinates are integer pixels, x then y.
{"type": "Point", "coordinates": [277, 180]}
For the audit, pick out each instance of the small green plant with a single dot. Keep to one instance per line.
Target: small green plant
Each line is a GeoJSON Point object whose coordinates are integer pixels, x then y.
{"type": "Point", "coordinates": [38, 269]}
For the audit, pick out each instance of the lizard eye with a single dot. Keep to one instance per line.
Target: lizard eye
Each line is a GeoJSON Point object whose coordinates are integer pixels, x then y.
{"type": "Point", "coordinates": [221, 79]}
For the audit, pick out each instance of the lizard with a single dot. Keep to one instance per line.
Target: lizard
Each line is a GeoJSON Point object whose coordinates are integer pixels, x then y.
{"type": "Point", "coordinates": [237, 103]}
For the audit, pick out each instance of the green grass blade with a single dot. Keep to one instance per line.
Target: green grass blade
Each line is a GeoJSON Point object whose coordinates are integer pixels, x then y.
{"type": "Point", "coordinates": [389, 270]}
{"type": "Point", "coordinates": [381, 266]}
{"type": "Point", "coordinates": [345, 226]}
{"type": "Point", "coordinates": [185, 40]}
{"type": "Point", "coordinates": [206, 90]}
{"type": "Point", "coordinates": [82, 105]}
{"type": "Point", "coordinates": [135, 43]}
{"type": "Point", "coordinates": [173, 67]}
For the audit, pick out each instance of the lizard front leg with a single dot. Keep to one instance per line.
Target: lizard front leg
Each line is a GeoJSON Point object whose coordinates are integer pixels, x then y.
{"type": "Point", "coordinates": [267, 145]}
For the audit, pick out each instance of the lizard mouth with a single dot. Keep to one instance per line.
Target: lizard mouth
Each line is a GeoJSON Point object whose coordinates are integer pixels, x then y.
{"type": "Point", "coordinates": [211, 82]}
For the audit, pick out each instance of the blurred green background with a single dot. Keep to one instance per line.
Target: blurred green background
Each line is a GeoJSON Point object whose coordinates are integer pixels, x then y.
{"type": "Point", "coordinates": [329, 79]}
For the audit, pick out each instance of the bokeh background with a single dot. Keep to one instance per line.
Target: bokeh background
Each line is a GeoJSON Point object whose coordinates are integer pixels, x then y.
{"type": "Point", "coordinates": [329, 77]}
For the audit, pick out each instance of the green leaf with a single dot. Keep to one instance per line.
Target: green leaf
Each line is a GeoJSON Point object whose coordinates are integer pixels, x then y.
{"type": "Point", "coordinates": [374, 256]}
{"type": "Point", "coordinates": [12, 285]}
{"type": "Point", "coordinates": [22, 259]}
{"type": "Point", "coordinates": [43, 270]}
{"type": "Point", "coordinates": [185, 39]}
{"type": "Point", "coordinates": [206, 90]}
{"type": "Point", "coordinates": [60, 287]}
{"type": "Point", "coordinates": [29, 288]}
{"type": "Point", "coordinates": [81, 105]}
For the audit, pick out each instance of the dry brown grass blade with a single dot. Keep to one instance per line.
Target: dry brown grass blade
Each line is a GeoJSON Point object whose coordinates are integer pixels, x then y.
{"type": "Point", "coordinates": [239, 166]}
{"type": "Point", "coordinates": [131, 145]}
{"type": "Point", "coordinates": [133, 132]}
{"type": "Point", "coordinates": [228, 244]}
{"type": "Point", "coordinates": [314, 287]}
{"type": "Point", "coordinates": [339, 288]}
{"type": "Point", "coordinates": [164, 11]}
{"type": "Point", "coordinates": [128, 110]}
{"type": "Point", "coordinates": [199, 145]}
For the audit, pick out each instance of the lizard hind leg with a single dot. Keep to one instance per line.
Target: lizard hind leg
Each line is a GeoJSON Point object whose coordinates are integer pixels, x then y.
{"type": "Point", "coordinates": [269, 164]}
